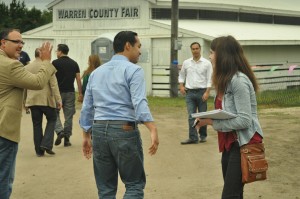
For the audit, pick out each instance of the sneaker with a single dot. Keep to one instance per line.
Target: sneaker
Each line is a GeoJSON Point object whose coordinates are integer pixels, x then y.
{"type": "Point", "coordinates": [202, 140]}
{"type": "Point", "coordinates": [189, 141]}
{"type": "Point", "coordinates": [60, 136]}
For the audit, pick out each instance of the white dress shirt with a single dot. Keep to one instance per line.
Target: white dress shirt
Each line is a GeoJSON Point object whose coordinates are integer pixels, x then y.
{"type": "Point", "coordinates": [196, 74]}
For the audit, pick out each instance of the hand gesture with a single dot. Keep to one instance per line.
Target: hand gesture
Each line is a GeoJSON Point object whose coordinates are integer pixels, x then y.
{"type": "Point", "coordinates": [45, 51]}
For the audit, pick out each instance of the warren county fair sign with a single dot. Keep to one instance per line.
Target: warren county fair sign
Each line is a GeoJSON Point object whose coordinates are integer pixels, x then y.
{"type": "Point", "coordinates": [98, 13]}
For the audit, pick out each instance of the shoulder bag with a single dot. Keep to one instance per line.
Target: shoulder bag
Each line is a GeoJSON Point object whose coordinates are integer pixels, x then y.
{"type": "Point", "coordinates": [253, 163]}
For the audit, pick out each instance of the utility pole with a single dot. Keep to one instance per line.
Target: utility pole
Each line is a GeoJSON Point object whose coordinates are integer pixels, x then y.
{"type": "Point", "coordinates": [174, 50]}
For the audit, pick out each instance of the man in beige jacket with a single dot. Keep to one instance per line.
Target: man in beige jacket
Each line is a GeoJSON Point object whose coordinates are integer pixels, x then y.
{"type": "Point", "coordinates": [41, 102]}
{"type": "Point", "coordinates": [13, 79]}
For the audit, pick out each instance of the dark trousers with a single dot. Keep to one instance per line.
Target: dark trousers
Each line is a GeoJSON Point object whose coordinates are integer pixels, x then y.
{"type": "Point", "coordinates": [232, 173]}
{"type": "Point", "coordinates": [43, 140]}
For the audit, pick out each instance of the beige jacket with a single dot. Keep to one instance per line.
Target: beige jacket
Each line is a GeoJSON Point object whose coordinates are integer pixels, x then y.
{"type": "Point", "coordinates": [13, 79]}
{"type": "Point", "coordinates": [48, 96]}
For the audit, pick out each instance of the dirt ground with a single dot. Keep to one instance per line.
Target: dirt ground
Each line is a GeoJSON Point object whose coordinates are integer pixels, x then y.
{"type": "Point", "coordinates": [175, 172]}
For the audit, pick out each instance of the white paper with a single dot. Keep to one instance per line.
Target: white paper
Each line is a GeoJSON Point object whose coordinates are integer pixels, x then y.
{"type": "Point", "coordinates": [214, 114]}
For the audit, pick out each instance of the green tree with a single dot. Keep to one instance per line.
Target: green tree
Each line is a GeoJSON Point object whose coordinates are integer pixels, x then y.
{"type": "Point", "coordinates": [4, 15]}
{"type": "Point", "coordinates": [17, 15]}
{"type": "Point", "coordinates": [46, 16]}
{"type": "Point", "coordinates": [32, 19]}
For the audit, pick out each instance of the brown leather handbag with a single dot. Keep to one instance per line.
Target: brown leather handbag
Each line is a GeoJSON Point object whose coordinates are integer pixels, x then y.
{"type": "Point", "coordinates": [253, 162]}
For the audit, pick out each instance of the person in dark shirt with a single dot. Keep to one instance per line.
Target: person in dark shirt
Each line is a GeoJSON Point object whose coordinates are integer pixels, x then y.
{"type": "Point", "coordinates": [67, 71]}
{"type": "Point", "coordinates": [24, 58]}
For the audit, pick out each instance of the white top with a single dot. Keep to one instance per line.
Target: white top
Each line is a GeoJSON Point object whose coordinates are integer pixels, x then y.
{"type": "Point", "coordinates": [217, 114]}
{"type": "Point", "coordinates": [196, 74]}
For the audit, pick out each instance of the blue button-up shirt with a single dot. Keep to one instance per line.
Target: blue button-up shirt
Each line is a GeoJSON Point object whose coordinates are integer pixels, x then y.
{"type": "Point", "coordinates": [115, 91]}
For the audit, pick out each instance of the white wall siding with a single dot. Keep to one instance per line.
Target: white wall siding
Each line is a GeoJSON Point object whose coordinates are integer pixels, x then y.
{"type": "Point", "coordinates": [267, 55]}
{"type": "Point", "coordinates": [155, 35]}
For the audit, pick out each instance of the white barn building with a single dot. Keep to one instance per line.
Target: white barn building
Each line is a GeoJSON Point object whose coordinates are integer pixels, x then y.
{"type": "Point", "coordinates": [268, 30]}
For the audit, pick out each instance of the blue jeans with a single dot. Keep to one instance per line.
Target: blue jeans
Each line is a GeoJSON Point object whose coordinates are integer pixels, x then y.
{"type": "Point", "coordinates": [232, 173]}
{"type": "Point", "coordinates": [43, 139]}
{"type": "Point", "coordinates": [8, 153]}
{"type": "Point", "coordinates": [117, 150]}
{"type": "Point", "coordinates": [68, 101]}
{"type": "Point", "coordinates": [194, 103]}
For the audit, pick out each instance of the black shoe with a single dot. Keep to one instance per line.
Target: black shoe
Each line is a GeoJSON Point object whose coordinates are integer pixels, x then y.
{"type": "Point", "coordinates": [202, 140]}
{"type": "Point", "coordinates": [67, 142]}
{"type": "Point", "coordinates": [39, 154]}
{"type": "Point", "coordinates": [189, 141]}
{"type": "Point", "coordinates": [60, 136]}
{"type": "Point", "coordinates": [49, 151]}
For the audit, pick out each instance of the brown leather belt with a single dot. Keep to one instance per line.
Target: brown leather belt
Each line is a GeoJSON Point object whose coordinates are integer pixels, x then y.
{"type": "Point", "coordinates": [126, 125]}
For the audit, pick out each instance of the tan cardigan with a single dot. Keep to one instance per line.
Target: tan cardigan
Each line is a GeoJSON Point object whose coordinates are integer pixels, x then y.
{"type": "Point", "coordinates": [13, 79]}
{"type": "Point", "coordinates": [48, 96]}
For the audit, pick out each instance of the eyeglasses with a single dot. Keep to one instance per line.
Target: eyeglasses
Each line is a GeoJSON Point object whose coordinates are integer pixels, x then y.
{"type": "Point", "coordinates": [19, 42]}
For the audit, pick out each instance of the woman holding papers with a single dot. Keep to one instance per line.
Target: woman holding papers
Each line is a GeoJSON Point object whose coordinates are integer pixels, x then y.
{"type": "Point", "coordinates": [236, 87]}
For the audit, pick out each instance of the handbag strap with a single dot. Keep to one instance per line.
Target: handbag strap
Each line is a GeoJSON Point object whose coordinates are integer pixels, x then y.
{"type": "Point", "coordinates": [249, 148]}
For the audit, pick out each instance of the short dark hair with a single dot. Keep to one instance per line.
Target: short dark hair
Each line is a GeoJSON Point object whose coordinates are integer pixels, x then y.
{"type": "Point", "coordinates": [37, 52]}
{"type": "Point", "coordinates": [4, 33]}
{"type": "Point", "coordinates": [195, 43]}
{"type": "Point", "coordinates": [122, 38]}
{"type": "Point", "coordinates": [63, 48]}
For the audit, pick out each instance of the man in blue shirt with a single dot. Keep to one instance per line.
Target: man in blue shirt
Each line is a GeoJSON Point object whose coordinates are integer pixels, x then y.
{"type": "Point", "coordinates": [114, 103]}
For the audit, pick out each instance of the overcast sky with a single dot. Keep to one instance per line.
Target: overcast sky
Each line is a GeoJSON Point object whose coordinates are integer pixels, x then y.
{"type": "Point", "coordinates": [39, 4]}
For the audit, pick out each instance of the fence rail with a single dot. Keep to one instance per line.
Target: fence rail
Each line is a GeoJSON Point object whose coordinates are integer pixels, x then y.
{"type": "Point", "coordinates": [268, 78]}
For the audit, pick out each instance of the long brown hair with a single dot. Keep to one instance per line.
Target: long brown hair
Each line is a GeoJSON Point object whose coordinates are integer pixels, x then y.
{"type": "Point", "coordinates": [94, 62]}
{"type": "Point", "coordinates": [229, 59]}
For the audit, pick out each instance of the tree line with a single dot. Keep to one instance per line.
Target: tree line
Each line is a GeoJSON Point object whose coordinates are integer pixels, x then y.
{"type": "Point", "coordinates": [16, 15]}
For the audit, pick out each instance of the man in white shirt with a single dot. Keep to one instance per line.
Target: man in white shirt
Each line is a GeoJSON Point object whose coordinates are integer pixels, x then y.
{"type": "Point", "coordinates": [195, 82]}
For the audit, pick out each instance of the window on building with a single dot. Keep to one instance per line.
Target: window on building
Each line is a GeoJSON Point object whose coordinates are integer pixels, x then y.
{"type": "Point", "coordinates": [218, 15]}
{"type": "Point", "coordinates": [257, 18]}
{"type": "Point", "coordinates": [287, 20]}
{"type": "Point", "coordinates": [161, 13]}
{"type": "Point", "coordinates": [188, 14]}
{"type": "Point", "coordinates": [165, 13]}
